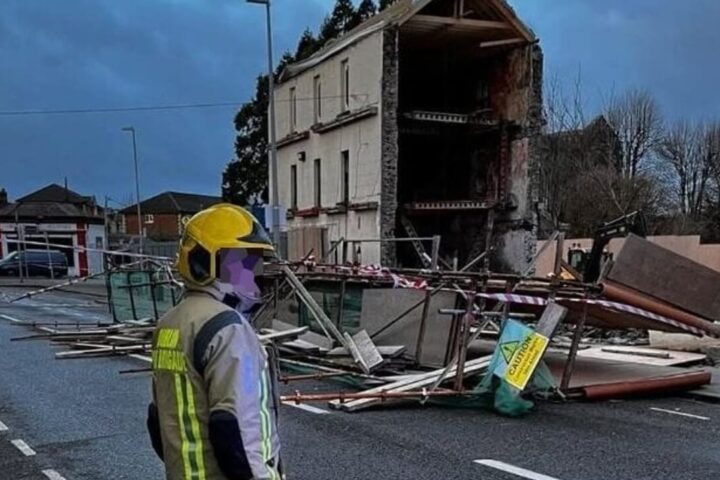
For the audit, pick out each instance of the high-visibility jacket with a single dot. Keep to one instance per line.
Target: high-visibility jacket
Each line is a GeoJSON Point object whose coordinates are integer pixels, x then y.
{"type": "Point", "coordinates": [214, 410]}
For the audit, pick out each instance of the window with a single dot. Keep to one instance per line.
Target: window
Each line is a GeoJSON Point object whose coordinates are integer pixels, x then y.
{"type": "Point", "coordinates": [317, 99]}
{"type": "Point", "coordinates": [345, 177]}
{"type": "Point", "coordinates": [345, 84]}
{"type": "Point", "coordinates": [293, 110]}
{"type": "Point", "coordinates": [293, 187]}
{"type": "Point", "coordinates": [318, 184]}
{"type": "Point", "coordinates": [149, 218]}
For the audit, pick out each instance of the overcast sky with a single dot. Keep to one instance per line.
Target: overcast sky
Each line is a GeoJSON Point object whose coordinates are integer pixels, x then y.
{"type": "Point", "coordinates": [79, 54]}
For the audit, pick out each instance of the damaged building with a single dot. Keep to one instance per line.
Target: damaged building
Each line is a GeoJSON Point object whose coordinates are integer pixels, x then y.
{"type": "Point", "coordinates": [422, 121]}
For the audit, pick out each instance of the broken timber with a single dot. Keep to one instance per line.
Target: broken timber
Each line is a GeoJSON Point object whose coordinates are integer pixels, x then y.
{"type": "Point", "coordinates": [414, 382]}
{"type": "Point", "coordinates": [366, 357]}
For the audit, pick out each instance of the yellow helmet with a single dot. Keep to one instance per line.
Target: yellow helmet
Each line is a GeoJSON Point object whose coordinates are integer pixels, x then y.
{"type": "Point", "coordinates": [221, 226]}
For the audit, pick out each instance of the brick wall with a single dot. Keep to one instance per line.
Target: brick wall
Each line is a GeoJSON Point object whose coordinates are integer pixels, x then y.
{"type": "Point", "coordinates": [163, 227]}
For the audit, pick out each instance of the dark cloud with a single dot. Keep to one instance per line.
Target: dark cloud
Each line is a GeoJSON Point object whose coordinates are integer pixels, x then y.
{"type": "Point", "coordinates": [666, 46]}
{"type": "Point", "coordinates": [106, 53]}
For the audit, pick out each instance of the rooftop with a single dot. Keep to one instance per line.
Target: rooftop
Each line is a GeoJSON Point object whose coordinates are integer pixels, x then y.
{"type": "Point", "coordinates": [174, 202]}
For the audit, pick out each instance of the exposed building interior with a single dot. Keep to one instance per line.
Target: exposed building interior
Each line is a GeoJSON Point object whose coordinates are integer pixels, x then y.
{"type": "Point", "coordinates": [464, 73]}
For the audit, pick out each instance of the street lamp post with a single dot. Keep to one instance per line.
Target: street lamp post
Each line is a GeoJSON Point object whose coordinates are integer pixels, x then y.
{"type": "Point", "coordinates": [273, 135]}
{"type": "Point", "coordinates": [137, 186]}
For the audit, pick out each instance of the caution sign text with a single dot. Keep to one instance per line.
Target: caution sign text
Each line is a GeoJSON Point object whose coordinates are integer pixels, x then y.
{"type": "Point", "coordinates": [525, 360]}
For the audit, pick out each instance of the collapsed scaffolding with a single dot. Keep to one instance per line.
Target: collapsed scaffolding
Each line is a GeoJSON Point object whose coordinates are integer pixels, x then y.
{"type": "Point", "coordinates": [401, 334]}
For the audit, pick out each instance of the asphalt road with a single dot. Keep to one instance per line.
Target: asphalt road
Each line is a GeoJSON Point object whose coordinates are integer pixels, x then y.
{"type": "Point", "coordinates": [83, 420]}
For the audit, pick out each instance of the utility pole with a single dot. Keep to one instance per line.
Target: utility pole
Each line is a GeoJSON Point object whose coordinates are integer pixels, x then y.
{"type": "Point", "coordinates": [18, 249]}
{"type": "Point", "coordinates": [273, 134]}
{"type": "Point", "coordinates": [141, 230]}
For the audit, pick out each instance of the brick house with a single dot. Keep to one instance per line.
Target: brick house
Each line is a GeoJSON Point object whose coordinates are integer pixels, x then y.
{"type": "Point", "coordinates": [58, 216]}
{"type": "Point", "coordinates": [163, 215]}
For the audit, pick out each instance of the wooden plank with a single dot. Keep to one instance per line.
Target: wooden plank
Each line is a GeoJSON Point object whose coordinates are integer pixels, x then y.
{"type": "Point", "coordinates": [413, 383]}
{"type": "Point", "coordinates": [642, 355]}
{"type": "Point", "coordinates": [667, 276]}
{"type": "Point", "coordinates": [463, 22]}
{"type": "Point", "coordinates": [367, 350]}
{"type": "Point", "coordinates": [272, 335]}
{"type": "Point", "coordinates": [550, 319]}
{"type": "Point", "coordinates": [387, 351]}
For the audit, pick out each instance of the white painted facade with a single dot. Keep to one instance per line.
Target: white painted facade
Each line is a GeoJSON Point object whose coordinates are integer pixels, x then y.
{"type": "Point", "coordinates": [67, 233]}
{"type": "Point", "coordinates": [360, 138]}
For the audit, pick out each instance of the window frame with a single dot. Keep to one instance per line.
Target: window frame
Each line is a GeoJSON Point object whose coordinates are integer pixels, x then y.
{"type": "Point", "coordinates": [317, 99]}
{"type": "Point", "coordinates": [317, 182]}
{"type": "Point", "coordinates": [345, 84]}
{"type": "Point", "coordinates": [293, 109]}
{"type": "Point", "coordinates": [293, 188]}
{"type": "Point", "coordinates": [345, 177]}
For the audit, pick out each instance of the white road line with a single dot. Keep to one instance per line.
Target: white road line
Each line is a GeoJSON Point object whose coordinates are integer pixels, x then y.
{"type": "Point", "coordinates": [682, 414]}
{"type": "Point", "coordinates": [53, 475]}
{"type": "Point", "coordinates": [12, 319]}
{"type": "Point", "coordinates": [3, 427]}
{"type": "Point", "coordinates": [144, 358]}
{"type": "Point", "coordinates": [23, 447]}
{"type": "Point", "coordinates": [307, 408]}
{"type": "Point", "coordinates": [520, 472]}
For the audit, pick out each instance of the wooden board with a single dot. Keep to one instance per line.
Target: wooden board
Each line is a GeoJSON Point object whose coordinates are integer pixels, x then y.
{"type": "Point", "coordinates": [667, 276]}
{"type": "Point", "coordinates": [642, 355]}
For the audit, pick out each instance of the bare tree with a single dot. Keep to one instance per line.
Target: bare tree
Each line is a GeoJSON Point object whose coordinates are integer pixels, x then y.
{"type": "Point", "coordinates": [710, 151]}
{"type": "Point", "coordinates": [637, 121]}
{"type": "Point", "coordinates": [561, 150]}
{"type": "Point", "coordinates": [682, 150]}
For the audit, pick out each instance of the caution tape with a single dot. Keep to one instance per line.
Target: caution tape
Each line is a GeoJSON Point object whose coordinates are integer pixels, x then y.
{"type": "Point", "coordinates": [540, 301]}
{"type": "Point", "coordinates": [98, 250]}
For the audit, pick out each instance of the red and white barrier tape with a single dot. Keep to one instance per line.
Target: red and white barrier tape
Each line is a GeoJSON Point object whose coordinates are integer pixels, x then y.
{"type": "Point", "coordinates": [88, 249]}
{"type": "Point", "coordinates": [400, 281]}
{"type": "Point", "coordinates": [531, 300]}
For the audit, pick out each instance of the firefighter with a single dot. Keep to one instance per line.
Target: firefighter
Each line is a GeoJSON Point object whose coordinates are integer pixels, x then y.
{"type": "Point", "coordinates": [214, 411]}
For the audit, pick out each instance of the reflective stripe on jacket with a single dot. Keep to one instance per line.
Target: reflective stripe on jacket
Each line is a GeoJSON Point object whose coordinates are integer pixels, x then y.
{"type": "Point", "coordinates": [214, 404]}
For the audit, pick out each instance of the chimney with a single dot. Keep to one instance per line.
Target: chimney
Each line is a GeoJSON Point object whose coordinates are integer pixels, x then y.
{"type": "Point", "coordinates": [3, 197]}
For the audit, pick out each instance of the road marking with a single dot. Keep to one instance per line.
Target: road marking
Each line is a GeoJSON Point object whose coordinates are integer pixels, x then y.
{"type": "Point", "coordinates": [307, 408]}
{"type": "Point", "coordinates": [144, 358]}
{"type": "Point", "coordinates": [12, 319]}
{"type": "Point", "coordinates": [53, 475]}
{"type": "Point", "coordinates": [23, 447]}
{"type": "Point", "coordinates": [520, 472]}
{"type": "Point", "coordinates": [682, 414]}
{"type": "Point", "coordinates": [3, 427]}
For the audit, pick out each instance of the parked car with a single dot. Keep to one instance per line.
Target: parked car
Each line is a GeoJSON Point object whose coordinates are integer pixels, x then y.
{"type": "Point", "coordinates": [42, 263]}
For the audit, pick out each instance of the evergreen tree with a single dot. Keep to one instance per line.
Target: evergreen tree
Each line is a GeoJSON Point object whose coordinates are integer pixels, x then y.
{"type": "Point", "coordinates": [340, 20]}
{"type": "Point", "coordinates": [385, 3]}
{"type": "Point", "coordinates": [307, 45]}
{"type": "Point", "coordinates": [365, 10]}
{"type": "Point", "coordinates": [245, 178]}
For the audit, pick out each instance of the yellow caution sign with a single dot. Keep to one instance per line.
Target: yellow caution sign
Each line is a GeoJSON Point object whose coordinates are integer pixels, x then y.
{"type": "Point", "coordinates": [525, 360]}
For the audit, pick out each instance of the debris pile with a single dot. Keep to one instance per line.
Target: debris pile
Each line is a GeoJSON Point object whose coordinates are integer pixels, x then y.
{"type": "Point", "coordinates": [417, 334]}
